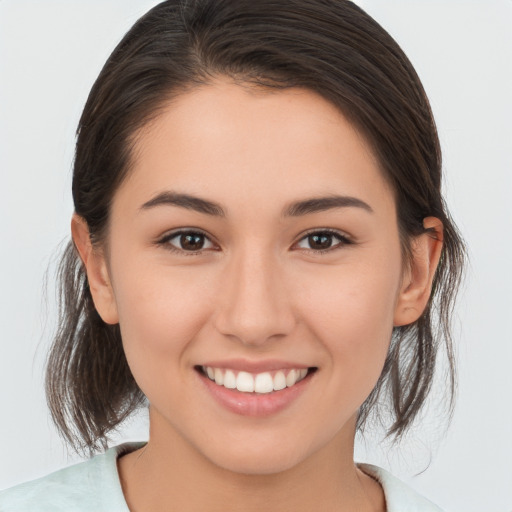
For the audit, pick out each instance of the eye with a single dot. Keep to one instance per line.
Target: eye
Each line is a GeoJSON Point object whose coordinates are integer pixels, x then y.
{"type": "Point", "coordinates": [186, 242]}
{"type": "Point", "coordinates": [323, 241]}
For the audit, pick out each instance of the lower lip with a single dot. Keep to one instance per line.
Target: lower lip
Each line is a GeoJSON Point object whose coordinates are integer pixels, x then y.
{"type": "Point", "coordinates": [255, 404]}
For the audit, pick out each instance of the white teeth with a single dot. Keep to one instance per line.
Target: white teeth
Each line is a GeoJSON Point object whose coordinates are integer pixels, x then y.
{"type": "Point", "coordinates": [219, 377]}
{"type": "Point", "coordinates": [259, 383]}
{"type": "Point", "coordinates": [263, 383]}
{"type": "Point", "coordinates": [291, 378]}
{"type": "Point", "coordinates": [245, 382]}
{"type": "Point", "coordinates": [229, 380]}
{"type": "Point", "coordinates": [279, 381]}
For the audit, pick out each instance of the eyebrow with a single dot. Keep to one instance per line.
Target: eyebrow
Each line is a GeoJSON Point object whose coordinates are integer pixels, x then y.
{"type": "Point", "coordinates": [320, 204]}
{"type": "Point", "coordinates": [185, 201]}
{"type": "Point", "coordinates": [296, 209]}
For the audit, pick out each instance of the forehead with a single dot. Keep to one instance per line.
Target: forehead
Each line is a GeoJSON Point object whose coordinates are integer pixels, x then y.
{"type": "Point", "coordinates": [244, 144]}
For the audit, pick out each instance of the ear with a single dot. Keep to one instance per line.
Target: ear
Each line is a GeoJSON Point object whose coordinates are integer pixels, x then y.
{"type": "Point", "coordinates": [417, 283]}
{"type": "Point", "coordinates": [97, 271]}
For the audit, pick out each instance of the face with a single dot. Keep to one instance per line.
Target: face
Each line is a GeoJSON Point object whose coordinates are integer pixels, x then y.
{"type": "Point", "coordinates": [256, 241]}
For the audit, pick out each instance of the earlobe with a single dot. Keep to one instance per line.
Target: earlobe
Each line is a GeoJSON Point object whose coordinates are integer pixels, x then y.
{"type": "Point", "coordinates": [97, 271]}
{"type": "Point", "coordinates": [417, 284]}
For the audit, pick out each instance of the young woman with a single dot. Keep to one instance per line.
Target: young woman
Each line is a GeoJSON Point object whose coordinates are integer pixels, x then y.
{"type": "Point", "coordinates": [261, 253]}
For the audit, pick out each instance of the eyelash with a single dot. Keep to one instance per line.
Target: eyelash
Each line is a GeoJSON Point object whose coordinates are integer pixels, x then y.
{"type": "Point", "coordinates": [342, 239]}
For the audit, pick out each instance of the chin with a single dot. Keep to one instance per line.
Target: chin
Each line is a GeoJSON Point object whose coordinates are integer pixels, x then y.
{"type": "Point", "coordinates": [259, 464]}
{"type": "Point", "coordinates": [259, 455]}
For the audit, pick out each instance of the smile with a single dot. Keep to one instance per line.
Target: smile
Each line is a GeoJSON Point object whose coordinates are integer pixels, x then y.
{"type": "Point", "coordinates": [255, 389]}
{"type": "Point", "coordinates": [246, 382]}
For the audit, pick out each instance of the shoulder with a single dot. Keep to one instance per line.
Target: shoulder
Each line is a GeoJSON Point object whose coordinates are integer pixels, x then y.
{"type": "Point", "coordinates": [85, 487]}
{"type": "Point", "coordinates": [399, 496]}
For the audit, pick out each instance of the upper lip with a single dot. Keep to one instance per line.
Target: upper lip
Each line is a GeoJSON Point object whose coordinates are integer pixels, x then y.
{"type": "Point", "coordinates": [267, 365]}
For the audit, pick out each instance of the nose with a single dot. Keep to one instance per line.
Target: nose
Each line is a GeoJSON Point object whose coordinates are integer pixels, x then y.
{"type": "Point", "coordinates": [253, 304]}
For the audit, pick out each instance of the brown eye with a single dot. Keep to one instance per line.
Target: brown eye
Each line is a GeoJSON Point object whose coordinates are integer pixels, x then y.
{"type": "Point", "coordinates": [321, 241]}
{"type": "Point", "coordinates": [192, 242]}
{"type": "Point", "coordinates": [187, 241]}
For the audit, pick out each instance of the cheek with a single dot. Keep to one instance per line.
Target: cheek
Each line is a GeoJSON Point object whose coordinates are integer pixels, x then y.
{"type": "Point", "coordinates": [160, 314]}
{"type": "Point", "coordinates": [350, 310]}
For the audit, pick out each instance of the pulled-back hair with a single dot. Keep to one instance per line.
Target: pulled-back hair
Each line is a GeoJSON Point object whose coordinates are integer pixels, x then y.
{"type": "Point", "coordinates": [330, 47]}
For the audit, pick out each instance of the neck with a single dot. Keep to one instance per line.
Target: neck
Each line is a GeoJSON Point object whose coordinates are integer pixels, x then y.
{"type": "Point", "coordinates": [170, 474]}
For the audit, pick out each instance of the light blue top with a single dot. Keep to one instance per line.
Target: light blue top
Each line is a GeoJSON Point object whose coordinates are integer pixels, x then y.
{"type": "Point", "coordinates": [94, 486]}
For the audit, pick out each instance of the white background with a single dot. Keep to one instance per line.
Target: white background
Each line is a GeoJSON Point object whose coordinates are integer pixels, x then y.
{"type": "Point", "coordinates": [50, 54]}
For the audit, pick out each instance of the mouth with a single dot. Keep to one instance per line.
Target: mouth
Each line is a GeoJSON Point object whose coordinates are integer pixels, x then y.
{"type": "Point", "coordinates": [256, 388]}
{"type": "Point", "coordinates": [255, 383]}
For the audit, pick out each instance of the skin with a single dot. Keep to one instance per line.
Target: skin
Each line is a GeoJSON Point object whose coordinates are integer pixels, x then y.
{"type": "Point", "coordinates": [258, 289]}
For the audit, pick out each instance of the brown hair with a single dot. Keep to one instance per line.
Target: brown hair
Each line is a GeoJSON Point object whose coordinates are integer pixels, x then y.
{"type": "Point", "coordinates": [331, 47]}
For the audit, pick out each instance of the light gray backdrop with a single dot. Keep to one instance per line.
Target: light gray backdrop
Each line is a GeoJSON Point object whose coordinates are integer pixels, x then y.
{"type": "Point", "coordinates": [50, 53]}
